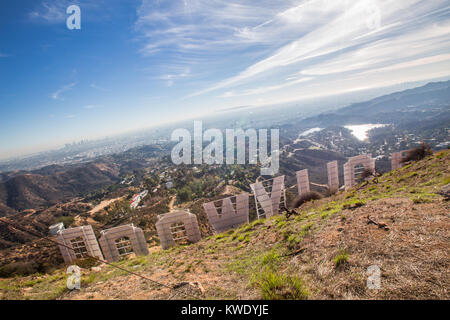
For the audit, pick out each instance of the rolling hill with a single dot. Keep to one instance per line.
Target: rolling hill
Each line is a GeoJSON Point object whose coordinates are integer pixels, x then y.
{"type": "Point", "coordinates": [48, 186]}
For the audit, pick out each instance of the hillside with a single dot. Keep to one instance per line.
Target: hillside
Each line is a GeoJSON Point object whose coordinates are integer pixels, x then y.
{"type": "Point", "coordinates": [53, 184]}
{"type": "Point", "coordinates": [400, 224]}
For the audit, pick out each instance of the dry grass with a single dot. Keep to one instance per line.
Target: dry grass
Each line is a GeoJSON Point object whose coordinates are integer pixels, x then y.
{"type": "Point", "coordinates": [412, 254]}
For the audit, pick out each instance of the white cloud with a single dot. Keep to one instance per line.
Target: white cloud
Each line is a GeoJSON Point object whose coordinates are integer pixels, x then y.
{"type": "Point", "coordinates": [57, 94]}
{"type": "Point", "coordinates": [346, 28]}
{"type": "Point", "coordinates": [194, 33]}
{"type": "Point", "coordinates": [414, 63]}
{"type": "Point", "coordinates": [275, 44]}
{"type": "Point", "coordinates": [51, 12]}
{"type": "Point", "coordinates": [264, 89]}
{"type": "Point", "coordinates": [54, 11]}
{"type": "Point", "coordinates": [94, 86]}
{"type": "Point", "coordinates": [216, 26]}
{"type": "Point", "coordinates": [379, 54]}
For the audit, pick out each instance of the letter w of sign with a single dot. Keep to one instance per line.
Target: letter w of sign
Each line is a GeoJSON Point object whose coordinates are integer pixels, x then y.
{"type": "Point", "coordinates": [229, 217]}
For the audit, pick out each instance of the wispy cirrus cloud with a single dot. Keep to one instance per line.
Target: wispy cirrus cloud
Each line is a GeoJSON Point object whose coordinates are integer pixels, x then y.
{"type": "Point", "coordinates": [192, 35]}
{"type": "Point", "coordinates": [95, 86]}
{"type": "Point", "coordinates": [54, 11]}
{"type": "Point", "coordinates": [349, 30]}
{"type": "Point", "coordinates": [176, 73]}
{"type": "Point", "coordinates": [57, 94]}
{"type": "Point", "coordinates": [265, 89]}
{"type": "Point", "coordinates": [379, 54]}
{"type": "Point", "coordinates": [276, 43]}
{"type": "Point", "coordinates": [50, 12]}
{"type": "Point", "coordinates": [199, 25]}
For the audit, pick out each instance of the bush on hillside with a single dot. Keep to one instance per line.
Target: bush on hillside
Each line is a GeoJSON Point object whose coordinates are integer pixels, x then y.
{"type": "Point", "coordinates": [418, 153]}
{"type": "Point", "coordinates": [366, 175]}
{"type": "Point", "coordinates": [18, 269]}
{"type": "Point", "coordinates": [298, 201]}
{"type": "Point", "coordinates": [330, 192]}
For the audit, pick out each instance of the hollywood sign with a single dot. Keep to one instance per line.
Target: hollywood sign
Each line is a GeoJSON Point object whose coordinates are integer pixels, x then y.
{"type": "Point", "coordinates": [269, 196]}
{"type": "Point", "coordinates": [224, 214]}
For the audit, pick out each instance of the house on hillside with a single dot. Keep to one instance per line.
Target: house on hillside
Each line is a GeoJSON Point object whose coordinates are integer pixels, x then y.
{"type": "Point", "coordinates": [56, 228]}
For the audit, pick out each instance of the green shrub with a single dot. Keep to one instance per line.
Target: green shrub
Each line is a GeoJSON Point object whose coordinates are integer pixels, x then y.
{"type": "Point", "coordinates": [275, 286]}
{"type": "Point", "coordinates": [353, 204]}
{"type": "Point", "coordinates": [341, 258]}
{"type": "Point", "coordinates": [67, 220]}
{"type": "Point", "coordinates": [407, 176]}
{"type": "Point", "coordinates": [418, 200]}
{"type": "Point", "coordinates": [271, 259]}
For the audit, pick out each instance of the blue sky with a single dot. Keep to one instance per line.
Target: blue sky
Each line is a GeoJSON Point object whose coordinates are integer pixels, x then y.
{"type": "Point", "coordinates": [137, 63]}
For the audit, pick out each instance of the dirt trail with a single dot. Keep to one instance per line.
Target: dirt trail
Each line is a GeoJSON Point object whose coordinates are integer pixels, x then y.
{"type": "Point", "coordinates": [103, 205]}
{"type": "Point", "coordinates": [230, 190]}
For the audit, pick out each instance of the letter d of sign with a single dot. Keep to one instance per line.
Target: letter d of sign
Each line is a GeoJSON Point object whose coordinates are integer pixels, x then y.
{"type": "Point", "coordinates": [74, 20]}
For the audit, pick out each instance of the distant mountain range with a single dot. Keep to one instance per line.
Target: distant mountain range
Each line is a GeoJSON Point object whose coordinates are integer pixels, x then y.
{"type": "Point", "coordinates": [429, 103]}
